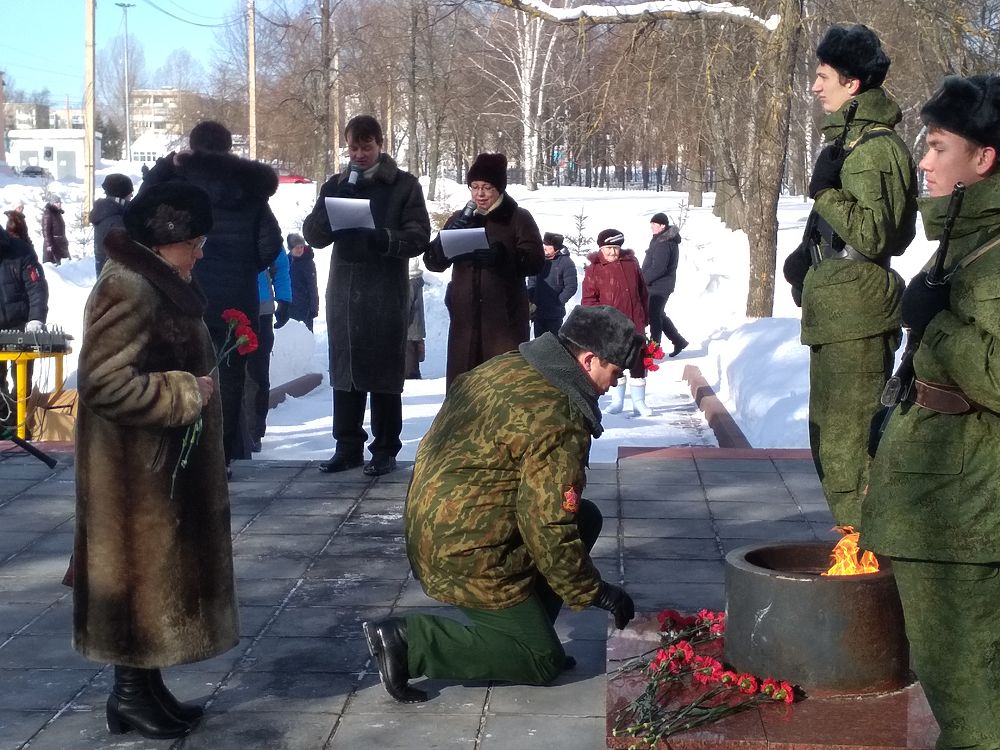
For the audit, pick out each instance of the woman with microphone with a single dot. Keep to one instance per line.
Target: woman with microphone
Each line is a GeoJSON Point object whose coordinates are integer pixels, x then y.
{"type": "Point", "coordinates": [487, 299]}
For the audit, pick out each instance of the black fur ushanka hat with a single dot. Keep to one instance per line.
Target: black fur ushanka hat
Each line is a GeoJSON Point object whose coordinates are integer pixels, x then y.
{"type": "Point", "coordinates": [855, 52]}
{"type": "Point", "coordinates": [969, 107]}
{"type": "Point", "coordinates": [605, 331]}
{"type": "Point", "coordinates": [168, 212]}
{"type": "Point", "coordinates": [491, 168]}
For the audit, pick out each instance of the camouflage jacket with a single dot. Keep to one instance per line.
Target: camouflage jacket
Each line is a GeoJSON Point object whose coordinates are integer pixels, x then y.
{"type": "Point", "coordinates": [496, 479]}
{"type": "Point", "coordinates": [875, 213]}
{"type": "Point", "coordinates": [935, 491]}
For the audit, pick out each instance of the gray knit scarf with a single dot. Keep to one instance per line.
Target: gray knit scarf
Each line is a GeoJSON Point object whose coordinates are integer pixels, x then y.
{"type": "Point", "coordinates": [560, 368]}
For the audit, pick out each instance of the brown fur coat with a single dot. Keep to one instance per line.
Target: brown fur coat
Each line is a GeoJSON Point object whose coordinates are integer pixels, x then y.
{"type": "Point", "coordinates": [154, 574]}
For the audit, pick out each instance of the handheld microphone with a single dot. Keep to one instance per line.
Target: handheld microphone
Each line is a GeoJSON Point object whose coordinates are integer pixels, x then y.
{"type": "Point", "coordinates": [470, 208]}
{"type": "Point", "coordinates": [352, 178]}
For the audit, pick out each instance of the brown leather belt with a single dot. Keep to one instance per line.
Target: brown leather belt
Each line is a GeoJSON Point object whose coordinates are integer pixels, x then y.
{"type": "Point", "coordinates": [944, 399]}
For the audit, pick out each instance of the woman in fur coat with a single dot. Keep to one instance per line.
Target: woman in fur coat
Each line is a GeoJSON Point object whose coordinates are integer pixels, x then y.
{"type": "Point", "coordinates": [152, 559]}
{"type": "Point", "coordinates": [55, 248]}
{"type": "Point", "coordinates": [487, 299]}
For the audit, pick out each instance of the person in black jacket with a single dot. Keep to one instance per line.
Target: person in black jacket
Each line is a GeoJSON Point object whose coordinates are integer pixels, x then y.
{"type": "Point", "coordinates": [305, 293]}
{"type": "Point", "coordinates": [24, 303]}
{"type": "Point", "coordinates": [244, 240]}
{"type": "Point", "coordinates": [659, 269]}
{"type": "Point", "coordinates": [107, 213]}
{"type": "Point", "coordinates": [553, 287]}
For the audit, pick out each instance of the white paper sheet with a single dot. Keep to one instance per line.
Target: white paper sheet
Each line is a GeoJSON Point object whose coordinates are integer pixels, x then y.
{"type": "Point", "coordinates": [456, 242]}
{"type": "Point", "coordinates": [349, 213]}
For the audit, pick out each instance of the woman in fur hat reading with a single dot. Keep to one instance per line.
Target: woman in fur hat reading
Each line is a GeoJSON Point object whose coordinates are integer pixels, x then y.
{"type": "Point", "coordinates": [487, 299]}
{"type": "Point", "coordinates": [152, 556]}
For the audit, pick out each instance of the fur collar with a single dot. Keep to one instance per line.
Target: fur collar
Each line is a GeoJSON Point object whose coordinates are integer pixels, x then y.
{"type": "Point", "coordinates": [560, 369]}
{"type": "Point", "coordinates": [597, 257]}
{"type": "Point", "coordinates": [255, 178]}
{"type": "Point", "coordinates": [143, 261]}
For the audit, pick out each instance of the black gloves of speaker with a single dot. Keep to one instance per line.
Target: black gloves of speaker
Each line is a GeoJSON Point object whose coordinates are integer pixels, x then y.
{"type": "Point", "coordinates": [617, 602]}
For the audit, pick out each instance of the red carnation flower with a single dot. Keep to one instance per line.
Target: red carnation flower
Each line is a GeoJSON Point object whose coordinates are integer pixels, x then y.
{"type": "Point", "coordinates": [246, 340]}
{"type": "Point", "coordinates": [747, 683]}
{"type": "Point", "coordinates": [234, 318]}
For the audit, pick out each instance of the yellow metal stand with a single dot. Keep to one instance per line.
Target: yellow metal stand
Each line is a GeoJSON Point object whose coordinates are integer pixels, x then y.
{"type": "Point", "coordinates": [20, 360]}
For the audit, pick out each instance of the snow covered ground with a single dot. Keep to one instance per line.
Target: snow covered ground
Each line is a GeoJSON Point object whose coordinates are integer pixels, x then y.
{"type": "Point", "coordinates": [757, 367]}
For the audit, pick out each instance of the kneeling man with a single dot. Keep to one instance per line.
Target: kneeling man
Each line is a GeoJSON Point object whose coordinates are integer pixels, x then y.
{"type": "Point", "coordinates": [495, 521]}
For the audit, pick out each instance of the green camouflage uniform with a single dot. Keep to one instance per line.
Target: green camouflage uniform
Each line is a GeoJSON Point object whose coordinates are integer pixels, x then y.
{"type": "Point", "coordinates": [491, 507]}
{"type": "Point", "coordinates": [850, 308]}
{"type": "Point", "coordinates": [934, 500]}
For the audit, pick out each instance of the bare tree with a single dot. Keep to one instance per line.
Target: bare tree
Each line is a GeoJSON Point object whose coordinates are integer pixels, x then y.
{"type": "Point", "coordinates": [110, 76]}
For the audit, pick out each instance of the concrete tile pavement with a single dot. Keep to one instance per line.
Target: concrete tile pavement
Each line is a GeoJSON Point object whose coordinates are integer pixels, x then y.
{"type": "Point", "coordinates": [316, 555]}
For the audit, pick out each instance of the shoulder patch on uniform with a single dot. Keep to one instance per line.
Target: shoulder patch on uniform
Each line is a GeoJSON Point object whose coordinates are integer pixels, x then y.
{"type": "Point", "coordinates": [571, 499]}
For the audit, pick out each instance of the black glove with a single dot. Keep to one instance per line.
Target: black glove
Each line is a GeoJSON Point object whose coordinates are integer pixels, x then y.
{"type": "Point", "coordinates": [826, 173]}
{"type": "Point", "coordinates": [796, 266]}
{"type": "Point", "coordinates": [617, 602]}
{"type": "Point", "coordinates": [459, 222]}
{"type": "Point", "coordinates": [491, 256]}
{"type": "Point", "coordinates": [280, 313]}
{"type": "Point", "coordinates": [922, 302]}
{"type": "Point", "coordinates": [353, 235]}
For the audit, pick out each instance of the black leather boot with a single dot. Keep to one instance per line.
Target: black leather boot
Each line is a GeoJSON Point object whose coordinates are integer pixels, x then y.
{"type": "Point", "coordinates": [132, 705]}
{"type": "Point", "coordinates": [387, 644]}
{"type": "Point", "coordinates": [189, 713]}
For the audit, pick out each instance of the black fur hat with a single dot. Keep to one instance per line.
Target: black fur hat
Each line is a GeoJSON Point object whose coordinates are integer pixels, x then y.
{"type": "Point", "coordinates": [660, 218]}
{"type": "Point", "coordinates": [117, 186]}
{"type": "Point", "coordinates": [605, 331]}
{"type": "Point", "coordinates": [168, 212]}
{"type": "Point", "coordinates": [491, 168]}
{"type": "Point", "coordinates": [610, 237]}
{"type": "Point", "coordinates": [551, 238]}
{"type": "Point", "coordinates": [969, 107]}
{"type": "Point", "coordinates": [855, 52]}
{"type": "Point", "coordinates": [210, 135]}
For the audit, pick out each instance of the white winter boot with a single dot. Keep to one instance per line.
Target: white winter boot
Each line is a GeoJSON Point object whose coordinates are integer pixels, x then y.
{"type": "Point", "coordinates": [639, 398]}
{"type": "Point", "coordinates": [617, 399]}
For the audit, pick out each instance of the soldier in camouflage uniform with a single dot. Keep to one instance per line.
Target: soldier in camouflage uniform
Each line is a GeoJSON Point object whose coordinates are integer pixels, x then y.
{"type": "Point", "coordinates": [934, 500]}
{"type": "Point", "coordinates": [865, 201]}
{"type": "Point", "coordinates": [495, 521]}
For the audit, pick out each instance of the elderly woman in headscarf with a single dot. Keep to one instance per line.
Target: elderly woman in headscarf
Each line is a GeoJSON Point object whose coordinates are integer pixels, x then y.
{"type": "Point", "coordinates": [152, 553]}
{"type": "Point", "coordinates": [487, 298]}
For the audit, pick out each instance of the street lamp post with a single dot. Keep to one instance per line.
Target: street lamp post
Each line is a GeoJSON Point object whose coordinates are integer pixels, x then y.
{"type": "Point", "coordinates": [128, 117]}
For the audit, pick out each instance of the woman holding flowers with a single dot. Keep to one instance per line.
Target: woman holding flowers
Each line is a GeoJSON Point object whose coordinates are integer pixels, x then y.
{"type": "Point", "coordinates": [152, 552]}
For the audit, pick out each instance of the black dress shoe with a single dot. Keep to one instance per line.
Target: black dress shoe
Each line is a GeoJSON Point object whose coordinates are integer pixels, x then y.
{"type": "Point", "coordinates": [679, 347]}
{"type": "Point", "coordinates": [387, 644]}
{"type": "Point", "coordinates": [340, 462]}
{"type": "Point", "coordinates": [379, 466]}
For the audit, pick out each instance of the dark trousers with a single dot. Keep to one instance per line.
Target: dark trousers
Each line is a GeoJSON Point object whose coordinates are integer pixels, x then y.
{"type": "Point", "coordinates": [547, 325]}
{"type": "Point", "coordinates": [386, 423]}
{"type": "Point", "coordinates": [659, 323]}
{"type": "Point", "coordinates": [232, 377]}
{"type": "Point", "coordinates": [518, 644]}
{"type": "Point", "coordinates": [258, 381]}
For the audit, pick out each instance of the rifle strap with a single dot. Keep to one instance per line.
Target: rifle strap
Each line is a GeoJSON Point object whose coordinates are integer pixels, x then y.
{"type": "Point", "coordinates": [872, 132]}
{"type": "Point", "coordinates": [976, 254]}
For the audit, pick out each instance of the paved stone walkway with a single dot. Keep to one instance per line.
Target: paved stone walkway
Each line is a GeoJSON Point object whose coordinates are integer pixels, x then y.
{"type": "Point", "coordinates": [317, 554]}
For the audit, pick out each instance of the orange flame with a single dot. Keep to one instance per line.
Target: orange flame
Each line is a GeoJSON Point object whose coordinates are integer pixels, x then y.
{"type": "Point", "coordinates": [844, 556]}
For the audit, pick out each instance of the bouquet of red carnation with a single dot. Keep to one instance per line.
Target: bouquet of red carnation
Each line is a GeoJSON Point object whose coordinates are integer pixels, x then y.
{"type": "Point", "coordinates": [651, 354]}
{"type": "Point", "coordinates": [239, 338]}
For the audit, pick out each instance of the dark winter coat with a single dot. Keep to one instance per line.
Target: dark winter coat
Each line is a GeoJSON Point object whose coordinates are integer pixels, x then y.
{"type": "Point", "coordinates": [550, 290]}
{"type": "Point", "coordinates": [56, 246]}
{"type": "Point", "coordinates": [245, 237]}
{"type": "Point", "coordinates": [488, 304]}
{"type": "Point", "coordinates": [106, 214]}
{"type": "Point", "coordinates": [367, 295]}
{"type": "Point", "coordinates": [153, 573]}
{"type": "Point", "coordinates": [619, 284]}
{"type": "Point", "coordinates": [305, 294]}
{"type": "Point", "coordinates": [18, 226]}
{"type": "Point", "coordinates": [659, 267]}
{"type": "Point", "coordinates": [24, 293]}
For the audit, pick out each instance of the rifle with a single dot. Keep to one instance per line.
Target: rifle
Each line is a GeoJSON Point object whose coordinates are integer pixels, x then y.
{"type": "Point", "coordinates": [897, 388]}
{"type": "Point", "coordinates": [809, 236]}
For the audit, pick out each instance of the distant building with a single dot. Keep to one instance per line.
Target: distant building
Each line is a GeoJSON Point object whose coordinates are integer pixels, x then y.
{"type": "Point", "coordinates": [59, 150]}
{"type": "Point", "coordinates": [162, 111]}
{"type": "Point", "coordinates": [25, 116]}
{"type": "Point", "coordinates": [149, 147]}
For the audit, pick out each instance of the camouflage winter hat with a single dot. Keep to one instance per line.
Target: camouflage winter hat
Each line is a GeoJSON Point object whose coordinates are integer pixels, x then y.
{"type": "Point", "coordinates": [969, 107]}
{"type": "Point", "coordinates": [168, 212]}
{"type": "Point", "coordinates": [605, 331]}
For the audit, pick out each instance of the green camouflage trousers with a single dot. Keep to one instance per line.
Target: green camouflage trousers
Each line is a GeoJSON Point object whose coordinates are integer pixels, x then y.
{"type": "Point", "coordinates": [845, 384]}
{"type": "Point", "coordinates": [954, 632]}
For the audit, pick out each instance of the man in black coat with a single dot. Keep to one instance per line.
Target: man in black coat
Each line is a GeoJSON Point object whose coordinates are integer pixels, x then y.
{"type": "Point", "coordinates": [367, 297]}
{"type": "Point", "coordinates": [24, 302]}
{"type": "Point", "coordinates": [659, 269]}
{"type": "Point", "coordinates": [302, 269]}
{"type": "Point", "coordinates": [244, 240]}
{"type": "Point", "coordinates": [108, 213]}
{"type": "Point", "coordinates": [553, 287]}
